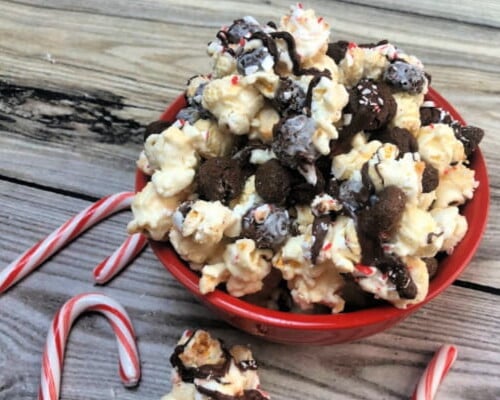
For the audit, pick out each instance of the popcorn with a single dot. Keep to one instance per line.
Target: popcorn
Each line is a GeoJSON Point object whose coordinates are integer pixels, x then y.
{"type": "Point", "coordinates": [439, 147]}
{"type": "Point", "coordinates": [453, 225]}
{"type": "Point", "coordinates": [205, 369]}
{"type": "Point", "coordinates": [456, 186]}
{"type": "Point", "coordinates": [173, 159]}
{"type": "Point", "coordinates": [234, 102]}
{"type": "Point", "coordinates": [318, 166]}
{"type": "Point", "coordinates": [153, 212]}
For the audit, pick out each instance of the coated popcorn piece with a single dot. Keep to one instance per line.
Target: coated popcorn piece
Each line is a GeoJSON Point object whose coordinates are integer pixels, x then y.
{"type": "Point", "coordinates": [322, 285]}
{"type": "Point", "coordinates": [205, 222]}
{"type": "Point", "coordinates": [207, 139]}
{"type": "Point", "coordinates": [341, 245]}
{"type": "Point", "coordinates": [402, 282]}
{"type": "Point", "coordinates": [242, 268]}
{"type": "Point", "coordinates": [418, 234]}
{"type": "Point", "coordinates": [345, 165]}
{"type": "Point", "coordinates": [153, 212]}
{"type": "Point", "coordinates": [311, 33]}
{"type": "Point", "coordinates": [194, 252]}
{"type": "Point", "coordinates": [204, 369]}
{"type": "Point", "coordinates": [453, 225]}
{"type": "Point", "coordinates": [439, 146]}
{"type": "Point", "coordinates": [456, 186]}
{"type": "Point", "coordinates": [408, 111]}
{"type": "Point", "coordinates": [234, 102]}
{"type": "Point", "coordinates": [387, 168]}
{"type": "Point", "coordinates": [173, 159]}
{"type": "Point", "coordinates": [327, 101]}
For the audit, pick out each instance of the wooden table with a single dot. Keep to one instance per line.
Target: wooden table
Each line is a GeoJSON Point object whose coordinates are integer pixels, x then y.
{"type": "Point", "coordinates": [78, 82]}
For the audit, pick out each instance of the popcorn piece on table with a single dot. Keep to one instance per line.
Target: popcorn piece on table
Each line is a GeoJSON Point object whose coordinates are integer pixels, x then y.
{"type": "Point", "coordinates": [435, 372]}
{"type": "Point", "coordinates": [71, 229]}
{"type": "Point", "coordinates": [53, 356]}
{"type": "Point", "coordinates": [205, 369]}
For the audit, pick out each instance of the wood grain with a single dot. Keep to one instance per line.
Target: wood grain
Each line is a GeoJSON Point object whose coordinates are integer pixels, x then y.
{"type": "Point", "coordinates": [78, 82]}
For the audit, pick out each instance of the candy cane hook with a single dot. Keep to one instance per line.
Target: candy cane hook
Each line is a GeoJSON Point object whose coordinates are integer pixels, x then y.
{"type": "Point", "coordinates": [53, 356]}
{"type": "Point", "coordinates": [71, 229]}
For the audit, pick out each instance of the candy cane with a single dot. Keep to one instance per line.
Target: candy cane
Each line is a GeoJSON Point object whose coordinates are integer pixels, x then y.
{"type": "Point", "coordinates": [435, 372]}
{"type": "Point", "coordinates": [72, 228]}
{"type": "Point", "coordinates": [109, 267]}
{"type": "Point", "coordinates": [53, 356]}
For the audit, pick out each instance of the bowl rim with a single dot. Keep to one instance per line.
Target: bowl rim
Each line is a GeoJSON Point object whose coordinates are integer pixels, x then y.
{"type": "Point", "coordinates": [240, 309]}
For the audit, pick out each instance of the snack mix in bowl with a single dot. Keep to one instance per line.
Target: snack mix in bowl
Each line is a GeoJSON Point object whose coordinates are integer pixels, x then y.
{"type": "Point", "coordinates": [306, 175]}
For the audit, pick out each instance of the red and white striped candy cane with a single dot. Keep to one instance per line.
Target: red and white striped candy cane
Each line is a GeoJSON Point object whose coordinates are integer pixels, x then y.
{"type": "Point", "coordinates": [109, 267]}
{"type": "Point", "coordinates": [72, 228]}
{"type": "Point", "coordinates": [435, 372]}
{"type": "Point", "coordinates": [53, 356]}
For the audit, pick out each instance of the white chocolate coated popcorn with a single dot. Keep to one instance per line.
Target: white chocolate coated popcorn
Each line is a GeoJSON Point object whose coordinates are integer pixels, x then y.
{"type": "Point", "coordinates": [243, 269]}
{"type": "Point", "coordinates": [439, 147]}
{"type": "Point", "coordinates": [321, 286]}
{"type": "Point", "coordinates": [418, 234]}
{"type": "Point", "coordinates": [206, 222]}
{"type": "Point", "coordinates": [234, 102]}
{"type": "Point", "coordinates": [197, 350]}
{"type": "Point", "coordinates": [408, 111]}
{"type": "Point", "coordinates": [345, 165]}
{"type": "Point", "coordinates": [453, 225]}
{"type": "Point", "coordinates": [456, 186]}
{"type": "Point", "coordinates": [380, 285]}
{"type": "Point", "coordinates": [310, 32]}
{"type": "Point", "coordinates": [153, 212]}
{"type": "Point", "coordinates": [173, 159]}
{"type": "Point", "coordinates": [207, 139]}
{"type": "Point", "coordinates": [385, 169]}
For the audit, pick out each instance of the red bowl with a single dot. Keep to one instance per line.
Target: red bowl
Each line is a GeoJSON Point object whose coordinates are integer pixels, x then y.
{"type": "Point", "coordinates": [285, 327]}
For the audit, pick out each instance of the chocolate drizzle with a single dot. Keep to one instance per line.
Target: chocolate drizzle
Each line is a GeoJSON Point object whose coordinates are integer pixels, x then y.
{"type": "Point", "coordinates": [294, 56]}
{"type": "Point", "coordinates": [189, 374]}
{"type": "Point", "coordinates": [319, 231]}
{"type": "Point", "coordinates": [432, 235]}
{"type": "Point", "coordinates": [312, 84]}
{"type": "Point", "coordinates": [270, 44]}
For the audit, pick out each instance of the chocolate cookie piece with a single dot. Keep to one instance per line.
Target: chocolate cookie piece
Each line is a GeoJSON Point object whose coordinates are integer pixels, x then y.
{"type": "Point", "coordinates": [220, 178]}
{"type": "Point", "coordinates": [337, 50]}
{"type": "Point", "coordinates": [405, 77]}
{"type": "Point", "coordinates": [301, 191]}
{"type": "Point", "coordinates": [252, 61]}
{"type": "Point", "coordinates": [430, 178]}
{"type": "Point", "coordinates": [272, 182]}
{"type": "Point", "coordinates": [189, 114]}
{"type": "Point", "coordinates": [241, 28]}
{"type": "Point", "coordinates": [399, 275]}
{"type": "Point", "coordinates": [400, 137]}
{"type": "Point", "coordinates": [381, 219]}
{"type": "Point", "coordinates": [371, 105]}
{"type": "Point", "coordinates": [156, 127]}
{"type": "Point", "coordinates": [434, 115]}
{"type": "Point", "coordinates": [470, 136]}
{"type": "Point", "coordinates": [292, 141]}
{"type": "Point", "coordinates": [289, 98]}
{"type": "Point", "coordinates": [267, 225]}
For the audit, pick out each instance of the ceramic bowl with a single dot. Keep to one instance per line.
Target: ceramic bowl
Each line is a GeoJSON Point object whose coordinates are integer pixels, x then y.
{"type": "Point", "coordinates": [290, 328]}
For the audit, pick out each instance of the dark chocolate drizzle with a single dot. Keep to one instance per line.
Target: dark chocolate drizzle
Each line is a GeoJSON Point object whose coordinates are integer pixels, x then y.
{"type": "Point", "coordinates": [189, 374]}
{"type": "Point", "coordinates": [319, 231]}
{"type": "Point", "coordinates": [270, 44]}
{"type": "Point", "coordinates": [312, 84]}
{"type": "Point", "coordinates": [433, 235]}
{"type": "Point", "coordinates": [294, 56]}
